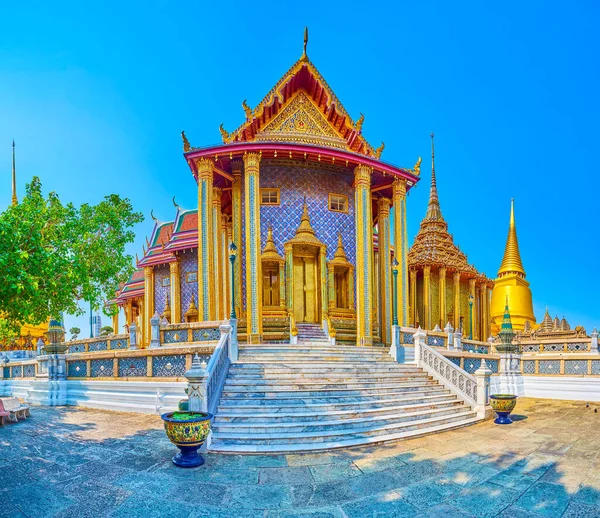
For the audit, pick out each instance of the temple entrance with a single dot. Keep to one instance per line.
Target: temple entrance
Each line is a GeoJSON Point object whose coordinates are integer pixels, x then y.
{"type": "Point", "coordinates": [305, 288]}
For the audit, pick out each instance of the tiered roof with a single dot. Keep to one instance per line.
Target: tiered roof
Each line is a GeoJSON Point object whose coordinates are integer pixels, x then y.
{"type": "Point", "coordinates": [434, 245]}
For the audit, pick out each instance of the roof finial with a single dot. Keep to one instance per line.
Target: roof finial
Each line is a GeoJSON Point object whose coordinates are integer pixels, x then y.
{"type": "Point", "coordinates": [175, 203]}
{"type": "Point", "coordinates": [14, 177]}
{"type": "Point", "coordinates": [304, 55]}
{"type": "Point", "coordinates": [511, 262]}
{"type": "Point", "coordinates": [434, 212]}
{"type": "Point", "coordinates": [432, 155]}
{"type": "Point", "coordinates": [153, 216]}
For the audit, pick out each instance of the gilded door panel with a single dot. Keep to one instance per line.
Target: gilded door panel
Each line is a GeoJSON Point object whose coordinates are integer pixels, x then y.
{"type": "Point", "coordinates": [310, 271]}
{"type": "Point", "coordinates": [298, 295]}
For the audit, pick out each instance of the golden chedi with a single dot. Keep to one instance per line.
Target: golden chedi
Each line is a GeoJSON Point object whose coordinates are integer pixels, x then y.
{"type": "Point", "coordinates": [511, 283]}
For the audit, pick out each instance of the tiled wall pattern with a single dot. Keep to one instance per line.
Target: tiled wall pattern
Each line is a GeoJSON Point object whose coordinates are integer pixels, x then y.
{"type": "Point", "coordinates": [189, 263]}
{"type": "Point", "coordinates": [161, 272]}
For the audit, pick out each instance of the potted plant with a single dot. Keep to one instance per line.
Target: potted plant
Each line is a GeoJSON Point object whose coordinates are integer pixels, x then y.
{"type": "Point", "coordinates": [188, 431]}
{"type": "Point", "coordinates": [503, 405]}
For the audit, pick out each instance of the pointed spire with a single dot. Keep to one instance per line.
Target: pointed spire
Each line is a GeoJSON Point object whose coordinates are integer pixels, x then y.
{"type": "Point", "coordinates": [511, 262]}
{"type": "Point", "coordinates": [14, 177]}
{"type": "Point", "coordinates": [506, 329]}
{"type": "Point", "coordinates": [434, 212]}
{"type": "Point", "coordinates": [340, 252]}
{"type": "Point", "coordinates": [304, 54]}
{"type": "Point", "coordinates": [305, 227]}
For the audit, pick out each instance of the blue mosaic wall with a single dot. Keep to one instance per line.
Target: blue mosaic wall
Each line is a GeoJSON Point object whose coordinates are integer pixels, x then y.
{"type": "Point", "coordinates": [160, 292]}
{"type": "Point", "coordinates": [29, 371]}
{"type": "Point", "coordinates": [295, 181]}
{"type": "Point", "coordinates": [102, 368]}
{"type": "Point", "coordinates": [121, 343]}
{"type": "Point", "coordinates": [168, 366]}
{"type": "Point", "coordinates": [16, 371]}
{"type": "Point", "coordinates": [189, 263]}
{"type": "Point", "coordinates": [133, 367]}
{"type": "Point", "coordinates": [77, 369]}
{"type": "Point", "coordinates": [98, 346]}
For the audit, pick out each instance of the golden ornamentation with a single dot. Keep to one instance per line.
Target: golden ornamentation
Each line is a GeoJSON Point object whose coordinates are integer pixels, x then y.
{"type": "Point", "coordinates": [227, 138]}
{"type": "Point", "coordinates": [379, 150]}
{"type": "Point", "coordinates": [247, 109]}
{"type": "Point", "coordinates": [359, 123]}
{"type": "Point", "coordinates": [205, 168]}
{"type": "Point", "coordinates": [304, 55]}
{"type": "Point", "coordinates": [417, 168]}
{"type": "Point", "coordinates": [191, 315]}
{"type": "Point", "coordinates": [186, 143]}
{"type": "Point", "coordinates": [270, 251]}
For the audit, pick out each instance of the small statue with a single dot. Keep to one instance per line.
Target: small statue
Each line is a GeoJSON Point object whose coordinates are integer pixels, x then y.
{"type": "Point", "coordinates": [186, 143]}
{"type": "Point", "coordinates": [417, 167]}
{"type": "Point", "coordinates": [247, 109]}
{"type": "Point", "coordinates": [359, 123]}
{"type": "Point", "coordinates": [379, 150]}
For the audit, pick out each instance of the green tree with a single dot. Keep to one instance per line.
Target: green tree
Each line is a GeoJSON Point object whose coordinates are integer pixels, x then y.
{"type": "Point", "coordinates": [53, 255]}
{"type": "Point", "coordinates": [106, 330]}
{"type": "Point", "coordinates": [74, 332]}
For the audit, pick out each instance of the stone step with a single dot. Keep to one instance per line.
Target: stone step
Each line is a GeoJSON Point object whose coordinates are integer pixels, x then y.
{"type": "Point", "coordinates": [305, 348]}
{"type": "Point", "coordinates": [302, 399]}
{"type": "Point", "coordinates": [325, 386]}
{"type": "Point", "coordinates": [309, 416]}
{"type": "Point", "coordinates": [360, 423]}
{"type": "Point", "coordinates": [273, 369]}
{"type": "Point", "coordinates": [339, 438]}
{"type": "Point", "coordinates": [277, 405]}
{"type": "Point", "coordinates": [323, 392]}
{"type": "Point", "coordinates": [310, 358]}
{"type": "Point", "coordinates": [245, 378]}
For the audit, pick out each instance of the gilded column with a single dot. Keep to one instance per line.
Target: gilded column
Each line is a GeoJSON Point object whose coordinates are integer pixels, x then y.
{"type": "Point", "coordinates": [364, 255]}
{"type": "Point", "coordinates": [226, 264]}
{"type": "Point", "coordinates": [236, 222]}
{"type": "Point", "coordinates": [473, 308]}
{"type": "Point", "coordinates": [456, 309]}
{"type": "Point", "coordinates": [252, 248]}
{"type": "Point", "coordinates": [401, 247]}
{"type": "Point", "coordinates": [217, 254]}
{"type": "Point", "coordinates": [206, 238]}
{"type": "Point", "coordinates": [323, 275]}
{"type": "Point", "coordinates": [289, 276]}
{"type": "Point", "coordinates": [331, 285]}
{"type": "Point", "coordinates": [413, 297]}
{"type": "Point", "coordinates": [385, 269]}
{"type": "Point", "coordinates": [115, 323]}
{"type": "Point", "coordinates": [175, 293]}
{"type": "Point", "coordinates": [427, 296]}
{"type": "Point", "coordinates": [442, 286]}
{"type": "Point", "coordinates": [484, 311]}
{"type": "Point", "coordinates": [282, 302]}
{"type": "Point", "coordinates": [149, 298]}
{"type": "Point", "coordinates": [140, 323]}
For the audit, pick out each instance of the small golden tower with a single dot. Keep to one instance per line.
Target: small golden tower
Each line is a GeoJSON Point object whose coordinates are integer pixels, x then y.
{"type": "Point", "coordinates": [511, 283]}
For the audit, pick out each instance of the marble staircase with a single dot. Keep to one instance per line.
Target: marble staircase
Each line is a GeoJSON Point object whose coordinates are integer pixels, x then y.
{"type": "Point", "coordinates": [311, 334]}
{"type": "Point", "coordinates": [314, 396]}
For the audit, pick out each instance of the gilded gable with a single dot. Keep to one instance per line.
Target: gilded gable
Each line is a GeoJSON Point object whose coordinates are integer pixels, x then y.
{"type": "Point", "coordinates": [301, 122]}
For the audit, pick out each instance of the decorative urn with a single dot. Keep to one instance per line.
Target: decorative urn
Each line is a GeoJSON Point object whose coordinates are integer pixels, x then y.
{"type": "Point", "coordinates": [187, 431]}
{"type": "Point", "coordinates": [503, 405]}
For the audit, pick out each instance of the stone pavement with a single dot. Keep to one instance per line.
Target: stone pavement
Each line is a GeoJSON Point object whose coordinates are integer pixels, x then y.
{"type": "Point", "coordinates": [75, 462]}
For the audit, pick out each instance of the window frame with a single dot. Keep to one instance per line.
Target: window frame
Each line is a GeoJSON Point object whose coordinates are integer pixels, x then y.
{"type": "Point", "coordinates": [166, 281]}
{"type": "Point", "coordinates": [344, 197]}
{"type": "Point", "coordinates": [189, 275]}
{"type": "Point", "coordinates": [269, 203]}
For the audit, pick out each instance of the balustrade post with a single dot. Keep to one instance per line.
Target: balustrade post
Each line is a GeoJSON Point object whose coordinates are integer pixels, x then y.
{"type": "Point", "coordinates": [458, 340]}
{"type": "Point", "coordinates": [419, 339]}
{"type": "Point", "coordinates": [133, 344]}
{"type": "Point", "coordinates": [397, 350]}
{"type": "Point", "coordinates": [155, 331]}
{"type": "Point", "coordinates": [450, 330]}
{"type": "Point", "coordinates": [40, 346]}
{"type": "Point", "coordinates": [482, 375]}
{"type": "Point", "coordinates": [197, 386]}
{"type": "Point", "coordinates": [233, 343]}
{"type": "Point", "coordinates": [594, 344]}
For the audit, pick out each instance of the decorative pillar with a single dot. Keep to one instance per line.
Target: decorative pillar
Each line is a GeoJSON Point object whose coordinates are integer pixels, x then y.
{"type": "Point", "coordinates": [473, 308]}
{"type": "Point", "coordinates": [175, 292]}
{"type": "Point", "coordinates": [364, 255]}
{"type": "Point", "coordinates": [456, 278]}
{"type": "Point", "coordinates": [115, 322]}
{"type": "Point", "coordinates": [252, 248]}
{"type": "Point", "coordinates": [226, 225]}
{"type": "Point", "coordinates": [385, 269]}
{"type": "Point", "coordinates": [148, 300]}
{"type": "Point", "coordinates": [413, 297]}
{"type": "Point", "coordinates": [401, 247]}
{"type": "Point", "coordinates": [323, 281]}
{"type": "Point", "coordinates": [289, 275]}
{"type": "Point", "coordinates": [594, 342]}
{"type": "Point", "coordinates": [236, 224]}
{"type": "Point", "coordinates": [442, 304]}
{"type": "Point", "coordinates": [140, 323]}
{"type": "Point", "coordinates": [484, 311]}
{"type": "Point", "coordinates": [206, 266]}
{"type": "Point", "coordinates": [282, 285]}
{"type": "Point", "coordinates": [427, 296]}
{"type": "Point", "coordinates": [217, 254]}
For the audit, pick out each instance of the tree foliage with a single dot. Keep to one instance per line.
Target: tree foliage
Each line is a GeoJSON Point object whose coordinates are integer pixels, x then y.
{"type": "Point", "coordinates": [53, 255]}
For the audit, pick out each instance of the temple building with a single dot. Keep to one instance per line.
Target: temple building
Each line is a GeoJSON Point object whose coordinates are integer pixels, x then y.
{"type": "Point", "coordinates": [511, 283]}
{"type": "Point", "coordinates": [30, 334]}
{"type": "Point", "coordinates": [444, 287]}
{"type": "Point", "coordinates": [306, 201]}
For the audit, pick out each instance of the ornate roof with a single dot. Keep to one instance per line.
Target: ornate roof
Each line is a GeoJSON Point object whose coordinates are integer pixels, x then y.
{"type": "Point", "coordinates": [302, 108]}
{"type": "Point", "coordinates": [511, 262]}
{"type": "Point", "coordinates": [434, 245]}
{"type": "Point", "coordinates": [270, 250]}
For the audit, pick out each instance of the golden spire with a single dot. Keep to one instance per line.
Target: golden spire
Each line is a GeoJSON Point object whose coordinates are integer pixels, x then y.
{"type": "Point", "coordinates": [305, 227]}
{"type": "Point", "coordinates": [14, 177]}
{"type": "Point", "coordinates": [304, 54]}
{"type": "Point", "coordinates": [340, 253]}
{"type": "Point", "coordinates": [270, 250]}
{"type": "Point", "coordinates": [511, 262]}
{"type": "Point", "coordinates": [434, 212]}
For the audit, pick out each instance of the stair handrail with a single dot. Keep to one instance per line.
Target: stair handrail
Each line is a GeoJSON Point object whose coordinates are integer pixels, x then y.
{"type": "Point", "coordinates": [474, 390]}
{"type": "Point", "coordinates": [218, 368]}
{"type": "Point", "coordinates": [293, 329]}
{"type": "Point", "coordinates": [330, 329]}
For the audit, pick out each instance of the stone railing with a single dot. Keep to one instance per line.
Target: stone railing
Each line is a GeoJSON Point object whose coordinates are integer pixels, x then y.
{"type": "Point", "coordinates": [573, 364]}
{"type": "Point", "coordinates": [20, 369]}
{"type": "Point", "coordinates": [474, 390]}
{"type": "Point", "coordinates": [218, 367]}
{"type": "Point", "coordinates": [167, 362]}
{"type": "Point", "coordinates": [100, 343]}
{"type": "Point", "coordinates": [191, 332]}
{"type": "Point", "coordinates": [572, 345]}
{"type": "Point", "coordinates": [470, 361]}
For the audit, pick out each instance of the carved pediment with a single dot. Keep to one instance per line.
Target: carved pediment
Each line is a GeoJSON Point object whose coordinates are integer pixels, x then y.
{"type": "Point", "coordinates": [300, 121]}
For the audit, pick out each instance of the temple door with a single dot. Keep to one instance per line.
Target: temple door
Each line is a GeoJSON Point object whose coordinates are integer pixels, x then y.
{"type": "Point", "coordinates": [305, 289]}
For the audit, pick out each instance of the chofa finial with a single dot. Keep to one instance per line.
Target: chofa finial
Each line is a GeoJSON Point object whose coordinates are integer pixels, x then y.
{"type": "Point", "coordinates": [304, 54]}
{"type": "Point", "coordinates": [186, 143]}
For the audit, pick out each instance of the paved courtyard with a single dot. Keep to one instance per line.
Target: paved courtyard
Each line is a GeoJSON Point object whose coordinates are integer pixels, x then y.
{"type": "Point", "coordinates": [80, 463]}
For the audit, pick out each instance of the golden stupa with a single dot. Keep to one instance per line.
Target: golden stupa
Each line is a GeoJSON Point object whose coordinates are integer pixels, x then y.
{"type": "Point", "coordinates": [511, 284]}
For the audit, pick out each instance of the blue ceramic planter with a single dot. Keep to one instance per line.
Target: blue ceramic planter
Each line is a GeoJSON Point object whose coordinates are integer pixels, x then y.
{"type": "Point", "coordinates": [503, 405]}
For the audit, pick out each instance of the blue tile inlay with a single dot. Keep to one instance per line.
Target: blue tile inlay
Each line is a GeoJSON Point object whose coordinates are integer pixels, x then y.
{"type": "Point", "coordinates": [16, 371]}
{"type": "Point", "coordinates": [98, 346]}
{"type": "Point", "coordinates": [77, 369]}
{"type": "Point", "coordinates": [206, 335]}
{"type": "Point", "coordinates": [120, 343]}
{"type": "Point", "coordinates": [175, 336]}
{"type": "Point", "coordinates": [29, 371]}
{"type": "Point", "coordinates": [101, 368]}
{"type": "Point", "coordinates": [133, 367]}
{"type": "Point", "coordinates": [168, 366]}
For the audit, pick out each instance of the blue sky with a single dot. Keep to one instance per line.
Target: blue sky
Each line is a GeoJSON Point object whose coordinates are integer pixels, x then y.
{"type": "Point", "coordinates": [95, 96]}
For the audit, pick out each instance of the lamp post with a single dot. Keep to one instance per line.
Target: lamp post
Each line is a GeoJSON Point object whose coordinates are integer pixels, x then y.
{"type": "Point", "coordinates": [395, 294]}
{"type": "Point", "coordinates": [471, 299]}
{"type": "Point", "coordinates": [232, 256]}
